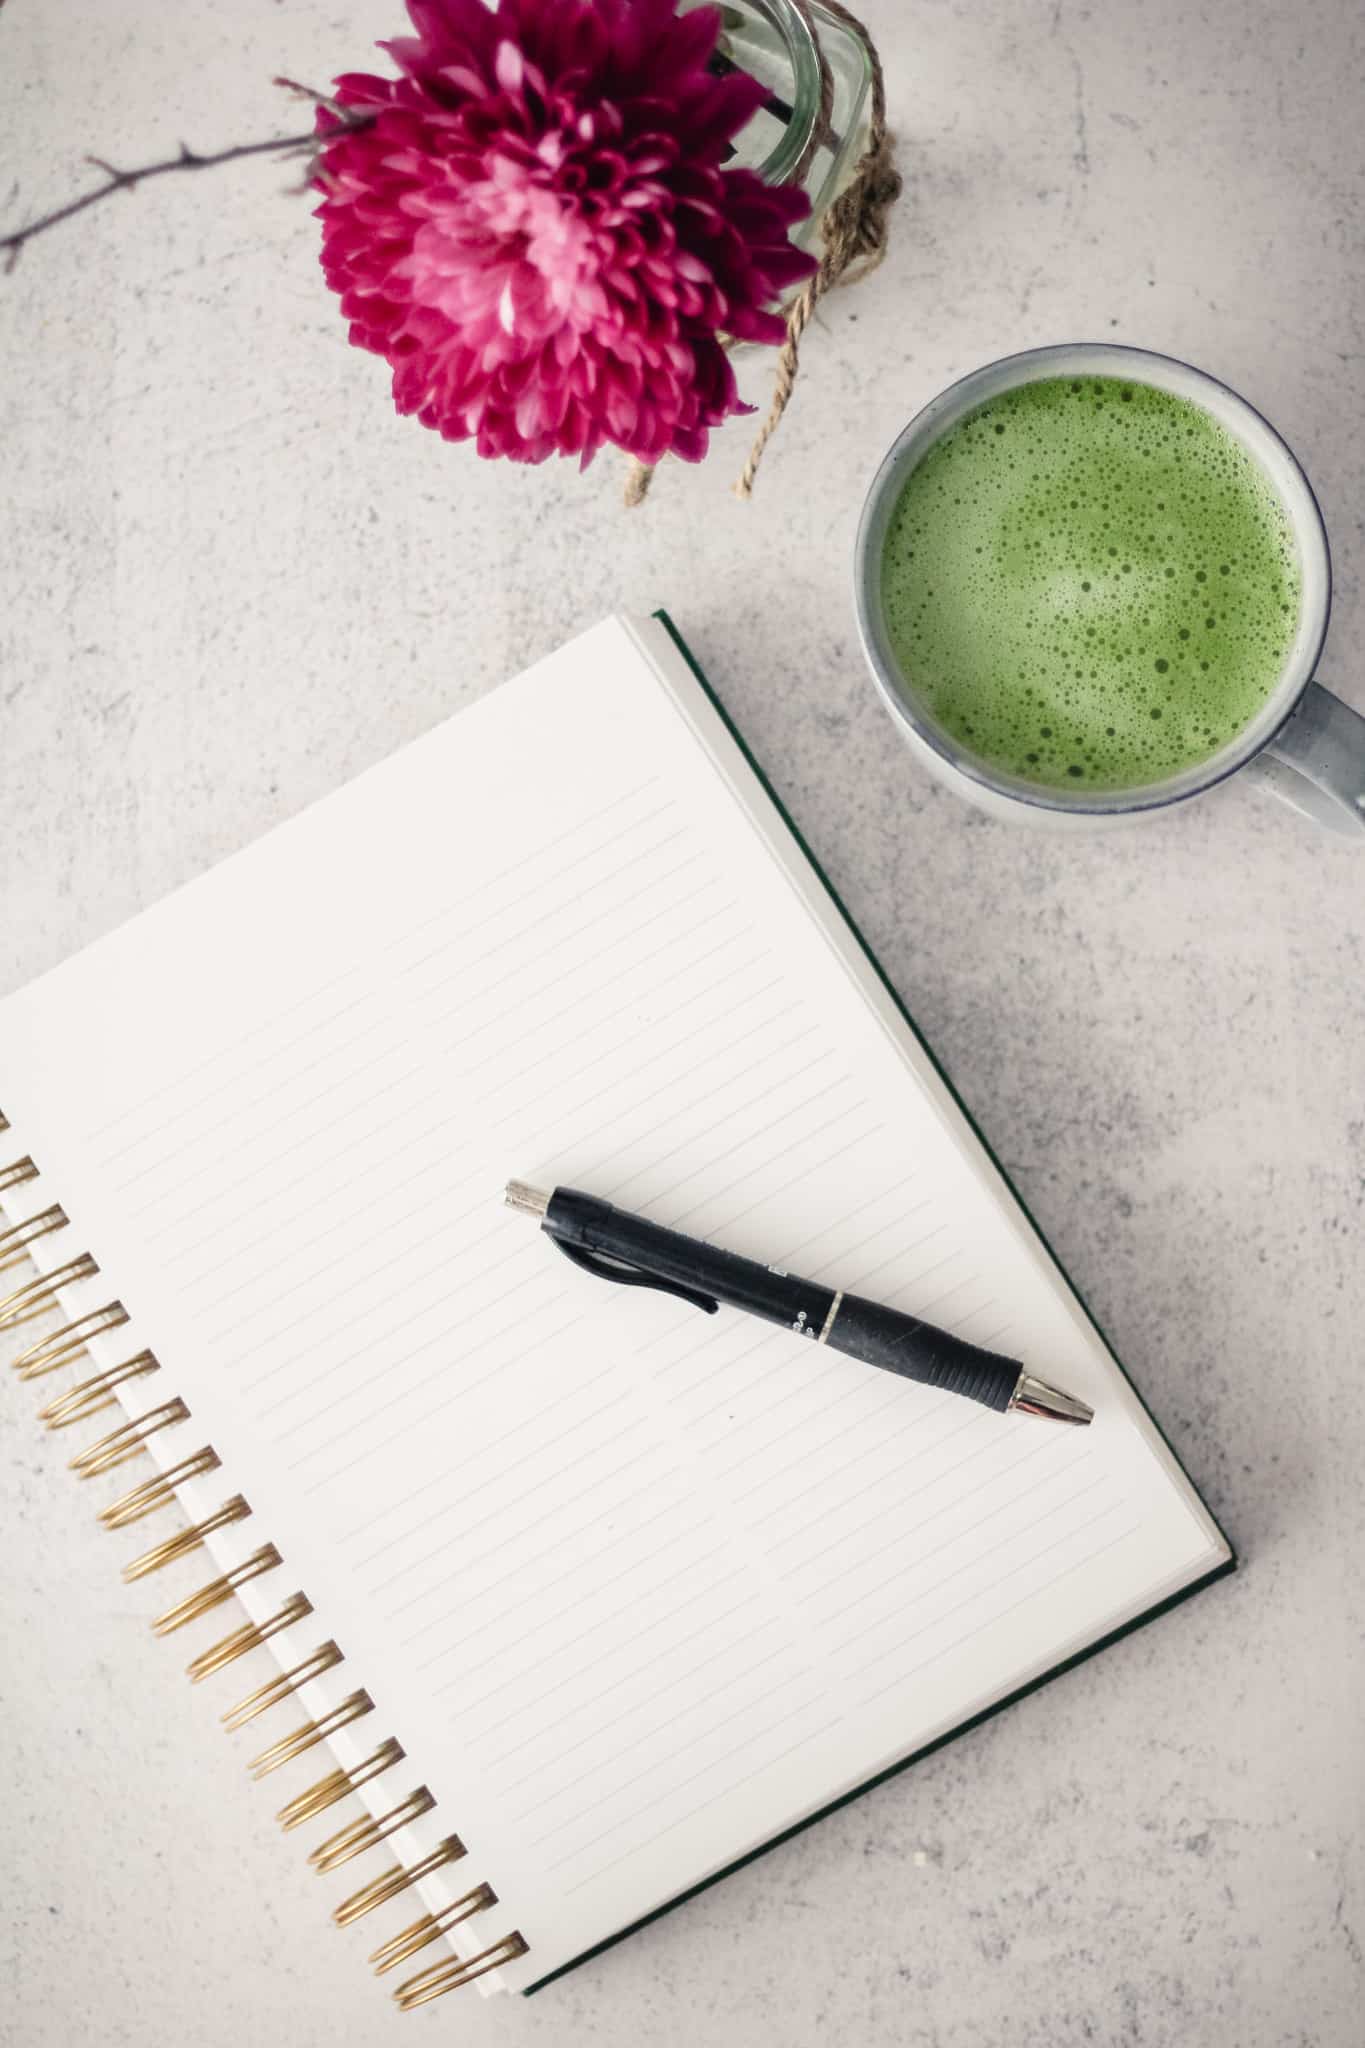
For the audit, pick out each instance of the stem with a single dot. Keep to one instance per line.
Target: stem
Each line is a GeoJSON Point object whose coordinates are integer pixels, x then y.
{"type": "Point", "coordinates": [11, 245]}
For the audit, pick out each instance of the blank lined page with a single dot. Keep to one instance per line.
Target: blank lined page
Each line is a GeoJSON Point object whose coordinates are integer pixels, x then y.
{"type": "Point", "coordinates": [638, 1588]}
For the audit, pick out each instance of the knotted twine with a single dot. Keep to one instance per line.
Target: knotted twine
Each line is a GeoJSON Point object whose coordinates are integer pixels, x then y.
{"type": "Point", "coordinates": [853, 230]}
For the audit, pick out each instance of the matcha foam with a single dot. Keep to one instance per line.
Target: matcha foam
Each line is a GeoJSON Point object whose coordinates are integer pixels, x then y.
{"type": "Point", "coordinates": [1090, 582]}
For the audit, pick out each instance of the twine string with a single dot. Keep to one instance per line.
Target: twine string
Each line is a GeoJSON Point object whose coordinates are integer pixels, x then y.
{"type": "Point", "coordinates": [853, 231]}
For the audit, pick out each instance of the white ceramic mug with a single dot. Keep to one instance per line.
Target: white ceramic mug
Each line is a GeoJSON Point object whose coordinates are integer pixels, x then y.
{"type": "Point", "coordinates": [1304, 744]}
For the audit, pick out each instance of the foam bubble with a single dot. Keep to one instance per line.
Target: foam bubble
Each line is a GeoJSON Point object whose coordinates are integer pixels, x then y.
{"type": "Point", "coordinates": [1062, 591]}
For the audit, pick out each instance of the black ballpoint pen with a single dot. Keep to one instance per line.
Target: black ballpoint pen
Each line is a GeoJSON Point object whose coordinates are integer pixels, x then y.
{"type": "Point", "coordinates": [615, 1245]}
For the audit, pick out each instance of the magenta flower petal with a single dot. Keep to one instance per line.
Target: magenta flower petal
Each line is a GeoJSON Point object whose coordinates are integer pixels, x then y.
{"type": "Point", "coordinates": [538, 231]}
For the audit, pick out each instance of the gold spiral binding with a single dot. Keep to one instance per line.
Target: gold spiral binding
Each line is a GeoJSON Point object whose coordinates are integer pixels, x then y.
{"type": "Point", "coordinates": [185, 1540]}
{"type": "Point", "coordinates": [151, 1494]}
{"type": "Point", "coordinates": [14, 1241]}
{"type": "Point", "coordinates": [17, 1172]}
{"type": "Point", "coordinates": [34, 1296]}
{"type": "Point", "coordinates": [276, 1690]}
{"type": "Point", "coordinates": [59, 1347]}
{"type": "Point", "coordinates": [296, 1608]}
{"type": "Point", "coordinates": [217, 1591]}
{"type": "Point", "coordinates": [337, 1784]}
{"type": "Point", "coordinates": [450, 1975]}
{"type": "Point", "coordinates": [429, 1928]}
{"type": "Point", "coordinates": [128, 1440]}
{"type": "Point", "coordinates": [95, 1394]}
{"type": "Point", "coordinates": [353, 1708]}
{"type": "Point", "coordinates": [369, 1833]}
{"type": "Point", "coordinates": [387, 1886]}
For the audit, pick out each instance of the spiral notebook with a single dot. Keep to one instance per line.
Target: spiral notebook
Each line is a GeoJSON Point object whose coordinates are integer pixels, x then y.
{"type": "Point", "coordinates": [580, 1597]}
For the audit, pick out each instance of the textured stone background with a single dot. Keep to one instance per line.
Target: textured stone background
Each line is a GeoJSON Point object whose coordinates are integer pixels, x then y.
{"type": "Point", "coordinates": [232, 578]}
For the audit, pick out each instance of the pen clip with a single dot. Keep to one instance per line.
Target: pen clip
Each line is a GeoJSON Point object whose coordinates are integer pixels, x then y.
{"type": "Point", "coordinates": [632, 1276]}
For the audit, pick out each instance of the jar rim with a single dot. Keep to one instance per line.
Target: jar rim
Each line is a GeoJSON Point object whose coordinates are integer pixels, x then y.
{"type": "Point", "coordinates": [794, 31]}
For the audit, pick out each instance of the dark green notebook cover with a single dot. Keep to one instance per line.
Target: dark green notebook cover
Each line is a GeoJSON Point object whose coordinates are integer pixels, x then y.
{"type": "Point", "coordinates": [1022, 1692]}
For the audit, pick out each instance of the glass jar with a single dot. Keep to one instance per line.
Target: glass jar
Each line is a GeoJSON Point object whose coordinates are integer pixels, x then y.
{"type": "Point", "coordinates": [787, 142]}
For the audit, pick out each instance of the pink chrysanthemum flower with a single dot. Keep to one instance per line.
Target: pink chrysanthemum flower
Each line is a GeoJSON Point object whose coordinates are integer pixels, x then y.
{"type": "Point", "coordinates": [538, 233]}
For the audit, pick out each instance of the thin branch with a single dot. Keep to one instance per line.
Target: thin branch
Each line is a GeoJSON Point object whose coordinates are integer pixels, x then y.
{"type": "Point", "coordinates": [11, 245]}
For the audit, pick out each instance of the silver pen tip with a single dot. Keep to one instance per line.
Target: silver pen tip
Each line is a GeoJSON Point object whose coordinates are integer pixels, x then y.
{"type": "Point", "coordinates": [527, 1200]}
{"type": "Point", "coordinates": [1035, 1397]}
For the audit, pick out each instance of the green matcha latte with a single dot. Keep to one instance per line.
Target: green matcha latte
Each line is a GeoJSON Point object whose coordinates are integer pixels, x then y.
{"type": "Point", "coordinates": [1090, 583]}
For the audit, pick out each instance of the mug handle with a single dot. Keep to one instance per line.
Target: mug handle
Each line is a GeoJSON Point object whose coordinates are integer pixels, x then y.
{"type": "Point", "coordinates": [1316, 762]}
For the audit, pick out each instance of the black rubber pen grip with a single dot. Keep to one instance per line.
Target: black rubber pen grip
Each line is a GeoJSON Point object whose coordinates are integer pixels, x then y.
{"type": "Point", "coordinates": [917, 1351]}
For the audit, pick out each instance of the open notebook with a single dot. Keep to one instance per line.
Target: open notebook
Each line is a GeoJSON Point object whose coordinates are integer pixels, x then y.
{"type": "Point", "coordinates": [636, 1590]}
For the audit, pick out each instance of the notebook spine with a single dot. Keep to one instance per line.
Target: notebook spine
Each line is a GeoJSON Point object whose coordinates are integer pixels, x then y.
{"type": "Point", "coordinates": [63, 1348]}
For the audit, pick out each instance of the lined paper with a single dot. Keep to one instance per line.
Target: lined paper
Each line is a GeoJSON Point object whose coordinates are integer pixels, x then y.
{"type": "Point", "coordinates": [637, 1588]}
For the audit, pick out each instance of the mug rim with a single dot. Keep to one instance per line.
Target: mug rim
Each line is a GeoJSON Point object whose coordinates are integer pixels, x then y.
{"type": "Point", "coordinates": [895, 688]}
